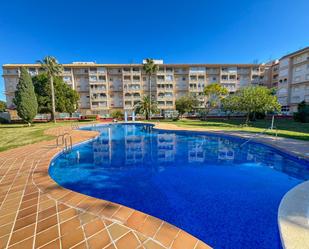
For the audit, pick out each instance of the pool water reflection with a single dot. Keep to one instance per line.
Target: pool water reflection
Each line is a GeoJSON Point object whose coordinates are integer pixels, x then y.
{"type": "Point", "coordinates": [208, 185]}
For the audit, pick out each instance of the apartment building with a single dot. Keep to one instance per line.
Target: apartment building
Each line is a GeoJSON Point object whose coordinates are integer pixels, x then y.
{"type": "Point", "coordinates": [106, 87]}
{"type": "Point", "coordinates": [271, 75]}
{"type": "Point", "coordinates": [293, 79]}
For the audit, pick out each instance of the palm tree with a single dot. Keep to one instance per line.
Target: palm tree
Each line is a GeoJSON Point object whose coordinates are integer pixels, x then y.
{"type": "Point", "coordinates": [150, 68]}
{"type": "Point", "coordinates": [52, 69]}
{"type": "Point", "coordinates": [146, 107]}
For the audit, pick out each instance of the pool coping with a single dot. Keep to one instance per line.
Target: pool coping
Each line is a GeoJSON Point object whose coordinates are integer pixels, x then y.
{"type": "Point", "coordinates": [145, 230]}
{"type": "Point", "coordinates": [293, 211]}
{"type": "Point", "coordinates": [159, 233]}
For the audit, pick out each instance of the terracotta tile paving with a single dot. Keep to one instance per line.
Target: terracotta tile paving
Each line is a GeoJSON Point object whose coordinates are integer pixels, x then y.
{"type": "Point", "coordinates": [35, 212]}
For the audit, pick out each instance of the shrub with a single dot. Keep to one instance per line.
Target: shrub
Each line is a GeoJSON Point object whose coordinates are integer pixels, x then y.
{"type": "Point", "coordinates": [4, 121]}
{"type": "Point", "coordinates": [117, 114]}
{"type": "Point", "coordinates": [303, 113]}
{"type": "Point", "coordinates": [91, 117]}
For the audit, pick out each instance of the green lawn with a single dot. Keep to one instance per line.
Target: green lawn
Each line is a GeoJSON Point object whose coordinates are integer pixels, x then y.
{"type": "Point", "coordinates": [15, 135]}
{"type": "Point", "coordinates": [286, 128]}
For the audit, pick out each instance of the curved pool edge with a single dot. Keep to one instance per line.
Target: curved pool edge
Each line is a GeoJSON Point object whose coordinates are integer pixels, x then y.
{"type": "Point", "coordinates": [150, 231]}
{"type": "Point", "coordinates": [293, 217]}
{"type": "Point", "coordinates": [293, 212]}
{"type": "Point", "coordinates": [286, 222]}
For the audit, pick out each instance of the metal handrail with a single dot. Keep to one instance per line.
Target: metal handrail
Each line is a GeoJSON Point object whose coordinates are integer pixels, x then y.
{"type": "Point", "coordinates": [61, 136]}
{"type": "Point", "coordinates": [67, 147]}
{"type": "Point", "coordinates": [260, 133]}
{"type": "Point", "coordinates": [74, 126]}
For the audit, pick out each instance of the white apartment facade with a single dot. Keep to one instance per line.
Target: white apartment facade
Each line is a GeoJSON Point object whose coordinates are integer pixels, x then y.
{"type": "Point", "coordinates": [106, 87]}
{"type": "Point", "coordinates": [293, 79]}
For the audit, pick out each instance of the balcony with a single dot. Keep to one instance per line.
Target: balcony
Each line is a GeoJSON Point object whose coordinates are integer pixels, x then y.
{"type": "Point", "coordinates": [212, 70]}
{"type": "Point", "coordinates": [67, 72]}
{"type": "Point", "coordinates": [10, 71]}
{"type": "Point", "coordinates": [93, 71]}
{"type": "Point", "coordinates": [126, 71]}
{"type": "Point", "coordinates": [197, 70]}
{"type": "Point", "coordinates": [81, 71]}
{"type": "Point", "coordinates": [98, 89]}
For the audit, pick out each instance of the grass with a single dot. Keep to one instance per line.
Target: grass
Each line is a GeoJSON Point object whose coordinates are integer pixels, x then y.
{"type": "Point", "coordinates": [15, 135]}
{"type": "Point", "coordinates": [285, 128]}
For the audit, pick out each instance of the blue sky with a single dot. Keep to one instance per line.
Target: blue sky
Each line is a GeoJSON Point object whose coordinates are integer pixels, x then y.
{"type": "Point", "coordinates": [196, 31]}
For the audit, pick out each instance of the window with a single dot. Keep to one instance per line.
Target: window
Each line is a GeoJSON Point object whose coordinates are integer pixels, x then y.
{"type": "Point", "coordinates": [183, 78]}
{"type": "Point", "coordinates": [224, 77]}
{"type": "Point", "coordinates": [66, 78]}
{"type": "Point", "coordinates": [193, 77]}
{"type": "Point", "coordinates": [102, 78]}
{"type": "Point", "coordinates": [169, 77]}
{"type": "Point", "coordinates": [214, 78]}
{"type": "Point", "coordinates": [232, 77]}
{"type": "Point", "coordinates": [297, 79]}
{"type": "Point", "coordinates": [136, 78]}
{"type": "Point", "coordinates": [297, 69]}
{"type": "Point", "coordinates": [201, 77]}
{"type": "Point", "coordinates": [67, 69]}
{"type": "Point", "coordinates": [127, 77]}
{"type": "Point", "coordinates": [93, 78]}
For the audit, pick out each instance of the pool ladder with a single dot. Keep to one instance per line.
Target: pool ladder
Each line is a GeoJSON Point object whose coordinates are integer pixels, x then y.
{"type": "Point", "coordinates": [66, 141]}
{"type": "Point", "coordinates": [74, 126]}
{"type": "Point", "coordinates": [260, 133]}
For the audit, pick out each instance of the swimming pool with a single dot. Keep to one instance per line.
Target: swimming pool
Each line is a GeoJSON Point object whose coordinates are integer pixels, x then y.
{"type": "Point", "coordinates": [225, 194]}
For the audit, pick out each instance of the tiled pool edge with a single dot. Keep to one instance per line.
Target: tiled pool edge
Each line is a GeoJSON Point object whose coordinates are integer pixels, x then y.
{"type": "Point", "coordinates": [293, 217]}
{"type": "Point", "coordinates": [159, 234]}
{"type": "Point", "coordinates": [293, 212]}
{"type": "Point", "coordinates": [42, 153]}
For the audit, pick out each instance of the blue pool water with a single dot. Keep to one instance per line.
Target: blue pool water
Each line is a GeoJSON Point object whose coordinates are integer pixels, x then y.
{"type": "Point", "coordinates": [208, 185]}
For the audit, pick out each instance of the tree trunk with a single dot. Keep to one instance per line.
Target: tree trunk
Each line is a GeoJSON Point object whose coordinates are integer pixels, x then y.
{"type": "Point", "coordinates": [247, 118]}
{"type": "Point", "coordinates": [149, 111]}
{"type": "Point", "coordinates": [53, 114]}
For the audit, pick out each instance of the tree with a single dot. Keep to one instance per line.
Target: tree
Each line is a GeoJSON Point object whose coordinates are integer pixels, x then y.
{"type": "Point", "coordinates": [302, 114]}
{"type": "Point", "coordinates": [146, 107]}
{"type": "Point", "coordinates": [66, 99]}
{"type": "Point", "coordinates": [2, 106]}
{"type": "Point", "coordinates": [52, 69]}
{"type": "Point", "coordinates": [150, 68]}
{"type": "Point", "coordinates": [213, 93]}
{"type": "Point", "coordinates": [230, 103]}
{"type": "Point", "coordinates": [117, 114]}
{"type": "Point", "coordinates": [186, 104]}
{"type": "Point", "coordinates": [25, 99]}
{"type": "Point", "coordinates": [251, 100]}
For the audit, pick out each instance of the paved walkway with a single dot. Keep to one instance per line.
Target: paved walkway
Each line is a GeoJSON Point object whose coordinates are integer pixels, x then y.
{"type": "Point", "coordinates": [35, 212]}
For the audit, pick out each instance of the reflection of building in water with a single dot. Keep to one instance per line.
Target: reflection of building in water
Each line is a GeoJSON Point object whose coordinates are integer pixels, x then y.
{"type": "Point", "coordinates": [166, 145]}
{"type": "Point", "coordinates": [225, 150]}
{"type": "Point", "coordinates": [134, 146]}
{"type": "Point", "coordinates": [196, 151]}
{"type": "Point", "coordinates": [102, 147]}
